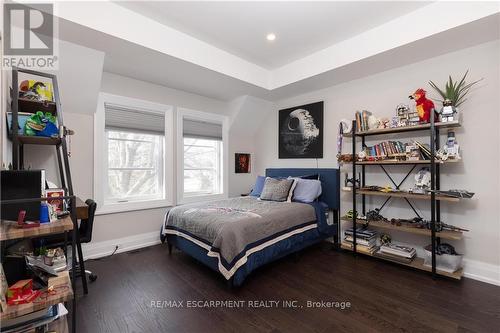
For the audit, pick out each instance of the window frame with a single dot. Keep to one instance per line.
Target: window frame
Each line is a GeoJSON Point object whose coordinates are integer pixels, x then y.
{"type": "Point", "coordinates": [183, 113]}
{"type": "Point", "coordinates": [101, 158]}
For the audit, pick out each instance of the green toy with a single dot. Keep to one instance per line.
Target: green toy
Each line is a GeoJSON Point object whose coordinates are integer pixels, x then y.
{"type": "Point", "coordinates": [40, 124]}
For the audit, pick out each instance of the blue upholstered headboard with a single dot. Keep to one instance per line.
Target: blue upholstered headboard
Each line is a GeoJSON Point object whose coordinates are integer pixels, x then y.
{"type": "Point", "coordinates": [330, 182]}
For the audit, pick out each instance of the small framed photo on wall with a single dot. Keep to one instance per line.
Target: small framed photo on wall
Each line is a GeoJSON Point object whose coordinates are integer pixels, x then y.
{"type": "Point", "coordinates": [242, 163]}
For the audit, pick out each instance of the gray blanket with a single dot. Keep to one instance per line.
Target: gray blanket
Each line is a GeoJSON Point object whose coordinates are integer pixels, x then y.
{"type": "Point", "coordinates": [230, 225]}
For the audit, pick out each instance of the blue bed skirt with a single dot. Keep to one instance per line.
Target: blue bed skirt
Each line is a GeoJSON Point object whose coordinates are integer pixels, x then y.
{"type": "Point", "coordinates": [273, 252]}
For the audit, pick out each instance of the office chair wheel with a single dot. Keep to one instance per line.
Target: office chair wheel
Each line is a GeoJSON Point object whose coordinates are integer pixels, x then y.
{"type": "Point", "coordinates": [92, 277]}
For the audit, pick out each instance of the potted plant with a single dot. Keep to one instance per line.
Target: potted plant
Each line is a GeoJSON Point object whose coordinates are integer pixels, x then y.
{"type": "Point", "coordinates": [453, 95]}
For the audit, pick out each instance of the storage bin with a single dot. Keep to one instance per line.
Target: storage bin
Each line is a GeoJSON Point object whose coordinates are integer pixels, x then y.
{"type": "Point", "coordinates": [444, 262]}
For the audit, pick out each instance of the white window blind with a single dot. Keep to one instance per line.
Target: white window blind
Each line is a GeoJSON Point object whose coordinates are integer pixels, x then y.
{"type": "Point", "coordinates": [134, 119]}
{"type": "Point", "coordinates": [201, 129]}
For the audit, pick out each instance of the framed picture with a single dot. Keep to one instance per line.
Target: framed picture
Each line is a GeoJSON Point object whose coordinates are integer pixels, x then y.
{"type": "Point", "coordinates": [242, 163]}
{"type": "Point", "coordinates": [301, 131]}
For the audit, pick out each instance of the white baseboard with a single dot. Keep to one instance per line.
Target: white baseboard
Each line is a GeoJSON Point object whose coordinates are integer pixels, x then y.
{"type": "Point", "coordinates": [95, 250]}
{"type": "Point", "coordinates": [473, 269]}
{"type": "Point", "coordinates": [482, 271]}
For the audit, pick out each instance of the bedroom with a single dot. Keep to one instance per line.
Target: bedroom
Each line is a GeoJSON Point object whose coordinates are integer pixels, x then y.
{"type": "Point", "coordinates": [216, 141]}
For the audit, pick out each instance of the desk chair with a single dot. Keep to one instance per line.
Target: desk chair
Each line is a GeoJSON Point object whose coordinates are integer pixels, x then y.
{"type": "Point", "coordinates": [85, 233]}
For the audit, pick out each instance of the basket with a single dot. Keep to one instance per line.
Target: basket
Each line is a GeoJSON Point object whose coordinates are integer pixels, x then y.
{"type": "Point", "coordinates": [444, 262]}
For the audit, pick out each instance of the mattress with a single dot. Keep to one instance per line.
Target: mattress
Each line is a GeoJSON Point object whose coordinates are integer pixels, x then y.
{"type": "Point", "coordinates": [232, 229]}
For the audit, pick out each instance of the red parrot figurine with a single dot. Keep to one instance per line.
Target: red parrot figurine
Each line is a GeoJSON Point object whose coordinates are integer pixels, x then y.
{"type": "Point", "coordinates": [424, 106]}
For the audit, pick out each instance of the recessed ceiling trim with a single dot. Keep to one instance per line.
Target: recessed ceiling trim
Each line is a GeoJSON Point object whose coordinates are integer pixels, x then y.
{"type": "Point", "coordinates": [117, 21]}
{"type": "Point", "coordinates": [421, 23]}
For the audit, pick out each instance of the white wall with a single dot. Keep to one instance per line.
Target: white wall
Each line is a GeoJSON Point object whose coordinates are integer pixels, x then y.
{"type": "Point", "coordinates": [479, 139]}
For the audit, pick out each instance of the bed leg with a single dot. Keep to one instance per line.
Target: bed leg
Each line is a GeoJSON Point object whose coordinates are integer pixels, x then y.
{"type": "Point", "coordinates": [169, 248]}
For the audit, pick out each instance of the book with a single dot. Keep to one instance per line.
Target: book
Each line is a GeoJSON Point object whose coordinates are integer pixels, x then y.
{"type": "Point", "coordinates": [362, 241]}
{"type": "Point", "coordinates": [389, 256]}
{"type": "Point", "coordinates": [398, 250]}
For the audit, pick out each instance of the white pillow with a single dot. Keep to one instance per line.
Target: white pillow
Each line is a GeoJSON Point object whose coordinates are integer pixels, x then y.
{"type": "Point", "coordinates": [306, 190]}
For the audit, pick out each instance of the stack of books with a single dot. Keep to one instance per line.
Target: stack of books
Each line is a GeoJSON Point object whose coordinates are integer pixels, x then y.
{"type": "Point", "coordinates": [399, 253]}
{"type": "Point", "coordinates": [362, 120]}
{"type": "Point", "coordinates": [366, 239]}
{"type": "Point", "coordinates": [387, 150]}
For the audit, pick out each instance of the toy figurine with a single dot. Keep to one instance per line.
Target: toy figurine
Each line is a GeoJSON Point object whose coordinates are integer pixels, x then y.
{"type": "Point", "coordinates": [41, 124]}
{"type": "Point", "coordinates": [422, 182]}
{"type": "Point", "coordinates": [451, 149]}
{"type": "Point", "coordinates": [424, 105]}
{"type": "Point", "coordinates": [448, 112]}
{"type": "Point", "coordinates": [405, 116]}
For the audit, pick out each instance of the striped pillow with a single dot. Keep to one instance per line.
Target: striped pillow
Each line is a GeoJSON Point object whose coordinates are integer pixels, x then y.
{"type": "Point", "coordinates": [278, 189]}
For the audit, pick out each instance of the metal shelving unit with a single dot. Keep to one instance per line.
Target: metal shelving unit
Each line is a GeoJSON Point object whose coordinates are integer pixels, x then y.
{"type": "Point", "coordinates": [435, 200]}
{"type": "Point", "coordinates": [18, 141]}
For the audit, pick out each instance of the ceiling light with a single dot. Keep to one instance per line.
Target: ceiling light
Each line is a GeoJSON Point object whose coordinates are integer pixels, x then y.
{"type": "Point", "coordinates": [271, 37]}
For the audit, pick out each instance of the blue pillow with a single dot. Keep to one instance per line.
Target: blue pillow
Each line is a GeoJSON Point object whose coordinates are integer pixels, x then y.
{"type": "Point", "coordinates": [307, 190]}
{"type": "Point", "coordinates": [259, 185]}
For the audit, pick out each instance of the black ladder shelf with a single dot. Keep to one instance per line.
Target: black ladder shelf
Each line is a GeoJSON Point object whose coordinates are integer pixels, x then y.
{"type": "Point", "coordinates": [60, 144]}
{"type": "Point", "coordinates": [435, 200]}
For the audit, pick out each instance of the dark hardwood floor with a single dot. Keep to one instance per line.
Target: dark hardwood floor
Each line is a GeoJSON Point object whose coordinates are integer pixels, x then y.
{"type": "Point", "coordinates": [383, 297]}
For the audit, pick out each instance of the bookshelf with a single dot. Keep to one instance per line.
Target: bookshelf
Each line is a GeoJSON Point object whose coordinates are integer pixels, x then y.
{"type": "Point", "coordinates": [64, 283]}
{"type": "Point", "coordinates": [431, 131]}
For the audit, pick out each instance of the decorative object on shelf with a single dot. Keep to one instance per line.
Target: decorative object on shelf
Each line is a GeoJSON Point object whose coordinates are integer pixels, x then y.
{"type": "Point", "coordinates": [422, 182]}
{"type": "Point", "coordinates": [425, 107]}
{"type": "Point", "coordinates": [362, 155]}
{"type": "Point", "coordinates": [405, 117]}
{"type": "Point", "coordinates": [301, 131]}
{"type": "Point", "coordinates": [3, 289]}
{"type": "Point", "coordinates": [454, 91]}
{"type": "Point", "coordinates": [448, 112]}
{"type": "Point", "coordinates": [385, 239]}
{"type": "Point", "coordinates": [36, 90]}
{"type": "Point", "coordinates": [346, 158]}
{"type": "Point", "coordinates": [350, 215]}
{"type": "Point", "coordinates": [374, 215]}
{"type": "Point", "coordinates": [21, 121]}
{"type": "Point", "coordinates": [373, 122]}
{"type": "Point", "coordinates": [455, 193]}
{"type": "Point", "coordinates": [384, 123]}
{"type": "Point", "coordinates": [412, 152]}
{"type": "Point", "coordinates": [242, 163]}
{"type": "Point", "coordinates": [40, 124]}
{"type": "Point", "coordinates": [350, 182]}
{"type": "Point", "coordinates": [21, 292]}
{"type": "Point", "coordinates": [447, 259]}
{"type": "Point", "coordinates": [451, 149]}
{"type": "Point", "coordinates": [345, 127]}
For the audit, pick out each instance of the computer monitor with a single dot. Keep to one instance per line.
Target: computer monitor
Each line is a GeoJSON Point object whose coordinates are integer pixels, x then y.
{"type": "Point", "coordinates": [21, 184]}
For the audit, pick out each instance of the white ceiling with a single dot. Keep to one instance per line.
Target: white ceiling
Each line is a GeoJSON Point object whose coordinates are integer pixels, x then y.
{"type": "Point", "coordinates": [302, 28]}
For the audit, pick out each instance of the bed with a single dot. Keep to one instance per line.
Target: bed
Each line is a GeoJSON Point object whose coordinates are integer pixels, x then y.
{"type": "Point", "coordinates": [237, 235]}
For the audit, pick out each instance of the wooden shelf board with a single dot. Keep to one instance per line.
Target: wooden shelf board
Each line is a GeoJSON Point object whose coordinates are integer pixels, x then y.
{"type": "Point", "coordinates": [31, 106]}
{"type": "Point", "coordinates": [9, 229]}
{"type": "Point", "coordinates": [451, 124]}
{"type": "Point", "coordinates": [62, 283]}
{"type": "Point", "coordinates": [406, 195]}
{"type": "Point", "coordinates": [38, 140]}
{"type": "Point", "coordinates": [417, 263]}
{"type": "Point", "coordinates": [392, 162]}
{"type": "Point", "coordinates": [445, 234]}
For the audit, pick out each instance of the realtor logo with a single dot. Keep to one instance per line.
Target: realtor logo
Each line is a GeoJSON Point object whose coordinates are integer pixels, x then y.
{"type": "Point", "coordinates": [29, 36]}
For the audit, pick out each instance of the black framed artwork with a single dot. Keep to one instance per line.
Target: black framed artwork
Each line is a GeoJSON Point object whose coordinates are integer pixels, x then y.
{"type": "Point", "coordinates": [242, 163]}
{"type": "Point", "coordinates": [301, 131]}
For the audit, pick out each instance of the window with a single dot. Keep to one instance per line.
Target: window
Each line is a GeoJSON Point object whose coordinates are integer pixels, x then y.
{"type": "Point", "coordinates": [133, 155]}
{"type": "Point", "coordinates": [202, 166]}
{"type": "Point", "coordinates": [135, 166]}
{"type": "Point", "coordinates": [202, 155]}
